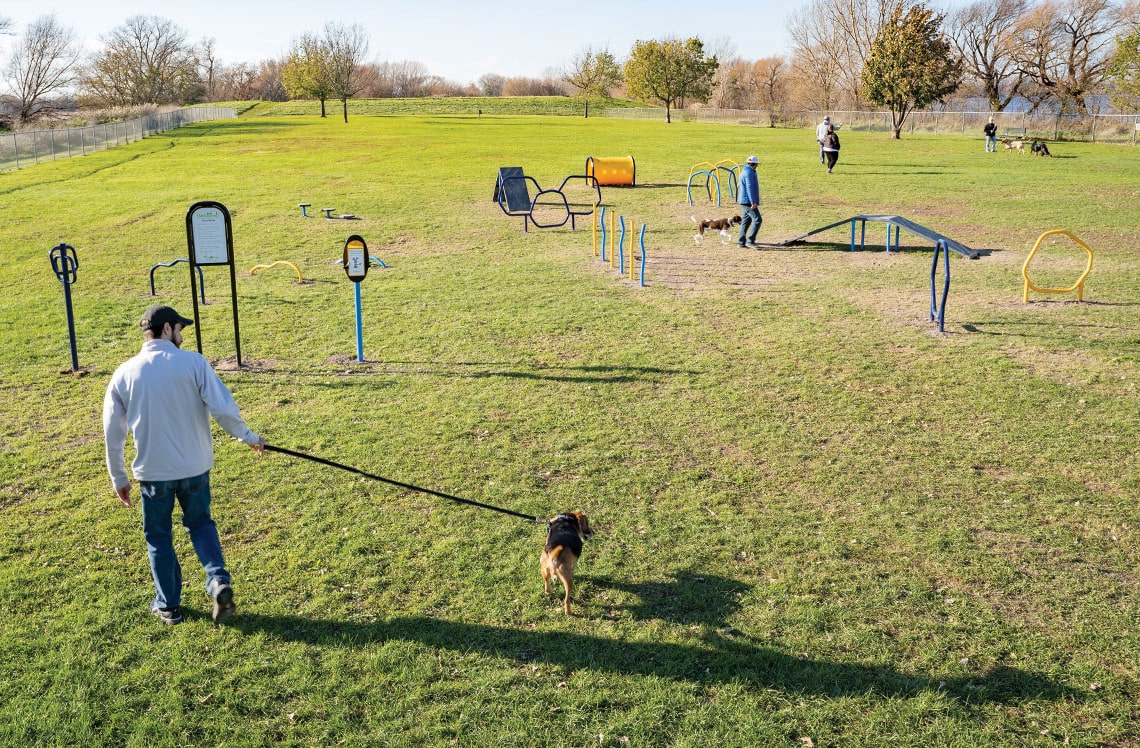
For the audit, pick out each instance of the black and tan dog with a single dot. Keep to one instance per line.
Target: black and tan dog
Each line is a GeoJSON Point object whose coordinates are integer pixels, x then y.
{"type": "Point", "coordinates": [564, 537]}
{"type": "Point", "coordinates": [714, 224]}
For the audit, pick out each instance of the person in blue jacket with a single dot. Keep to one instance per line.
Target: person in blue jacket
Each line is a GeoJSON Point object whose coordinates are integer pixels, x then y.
{"type": "Point", "coordinates": [749, 198]}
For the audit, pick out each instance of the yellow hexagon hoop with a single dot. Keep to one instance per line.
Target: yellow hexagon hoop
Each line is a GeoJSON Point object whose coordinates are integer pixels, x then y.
{"type": "Point", "coordinates": [1079, 286]}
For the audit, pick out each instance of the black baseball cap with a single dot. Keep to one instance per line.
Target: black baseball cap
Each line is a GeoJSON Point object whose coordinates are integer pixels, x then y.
{"type": "Point", "coordinates": [157, 316]}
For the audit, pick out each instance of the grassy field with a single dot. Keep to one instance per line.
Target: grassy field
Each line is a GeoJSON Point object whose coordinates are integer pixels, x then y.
{"type": "Point", "coordinates": [819, 521]}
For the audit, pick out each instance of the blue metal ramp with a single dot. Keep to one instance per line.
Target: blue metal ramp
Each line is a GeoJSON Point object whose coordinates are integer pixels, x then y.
{"type": "Point", "coordinates": [895, 222]}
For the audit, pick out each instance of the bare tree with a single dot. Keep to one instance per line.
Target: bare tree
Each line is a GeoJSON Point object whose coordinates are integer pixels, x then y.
{"type": "Point", "coordinates": [831, 40]}
{"type": "Point", "coordinates": [236, 82]}
{"type": "Point", "coordinates": [345, 48]}
{"type": "Point", "coordinates": [816, 62]}
{"type": "Point", "coordinates": [491, 84]}
{"type": "Point", "coordinates": [409, 79]}
{"type": "Point", "coordinates": [731, 84]}
{"type": "Point", "coordinates": [44, 63]}
{"type": "Point", "coordinates": [770, 81]}
{"type": "Point", "coordinates": [207, 60]}
{"type": "Point", "coordinates": [982, 34]}
{"type": "Point", "coordinates": [144, 61]}
{"type": "Point", "coordinates": [1065, 49]}
{"type": "Point", "coordinates": [268, 85]}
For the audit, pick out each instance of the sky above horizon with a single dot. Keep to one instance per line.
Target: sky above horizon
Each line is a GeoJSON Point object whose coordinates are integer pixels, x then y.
{"type": "Point", "coordinates": [457, 40]}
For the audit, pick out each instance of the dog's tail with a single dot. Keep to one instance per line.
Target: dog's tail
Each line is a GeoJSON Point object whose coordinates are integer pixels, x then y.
{"type": "Point", "coordinates": [554, 554]}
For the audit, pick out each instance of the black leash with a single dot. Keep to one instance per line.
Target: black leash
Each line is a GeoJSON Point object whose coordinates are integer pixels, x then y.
{"type": "Point", "coordinates": [408, 486]}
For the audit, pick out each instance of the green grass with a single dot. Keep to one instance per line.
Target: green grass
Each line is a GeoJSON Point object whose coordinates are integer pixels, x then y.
{"type": "Point", "coordinates": [817, 517]}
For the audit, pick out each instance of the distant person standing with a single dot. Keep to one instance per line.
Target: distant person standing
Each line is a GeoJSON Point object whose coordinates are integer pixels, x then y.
{"type": "Point", "coordinates": [821, 133]}
{"type": "Point", "coordinates": [748, 196]}
{"type": "Point", "coordinates": [831, 147]}
{"type": "Point", "coordinates": [166, 396]}
{"type": "Point", "coordinates": [991, 136]}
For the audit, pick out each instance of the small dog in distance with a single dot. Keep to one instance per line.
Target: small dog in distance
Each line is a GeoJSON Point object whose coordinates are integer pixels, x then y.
{"type": "Point", "coordinates": [1040, 149]}
{"type": "Point", "coordinates": [564, 537]}
{"type": "Point", "coordinates": [1013, 145]}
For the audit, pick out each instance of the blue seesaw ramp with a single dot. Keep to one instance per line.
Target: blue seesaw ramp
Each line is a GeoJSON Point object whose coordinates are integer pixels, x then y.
{"type": "Point", "coordinates": [895, 222]}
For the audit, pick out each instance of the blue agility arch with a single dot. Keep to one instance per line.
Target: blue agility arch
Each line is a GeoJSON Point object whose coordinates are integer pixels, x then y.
{"type": "Point", "coordinates": [893, 223]}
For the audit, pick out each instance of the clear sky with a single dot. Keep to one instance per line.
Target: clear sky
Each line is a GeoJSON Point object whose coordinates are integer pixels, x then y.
{"type": "Point", "coordinates": [452, 38]}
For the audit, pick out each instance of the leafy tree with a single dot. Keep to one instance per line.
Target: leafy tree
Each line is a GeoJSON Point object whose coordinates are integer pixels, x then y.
{"type": "Point", "coordinates": [911, 64]}
{"type": "Point", "coordinates": [305, 73]}
{"type": "Point", "coordinates": [593, 74]}
{"type": "Point", "coordinates": [1124, 74]}
{"type": "Point", "coordinates": [669, 71]}
{"type": "Point", "coordinates": [144, 61]}
{"type": "Point", "coordinates": [44, 61]}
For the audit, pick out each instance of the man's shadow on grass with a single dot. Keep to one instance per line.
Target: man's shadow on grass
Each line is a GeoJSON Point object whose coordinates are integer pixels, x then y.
{"type": "Point", "coordinates": [718, 656]}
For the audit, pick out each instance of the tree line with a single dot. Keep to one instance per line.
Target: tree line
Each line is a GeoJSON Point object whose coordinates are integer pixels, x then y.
{"type": "Point", "coordinates": [1063, 55]}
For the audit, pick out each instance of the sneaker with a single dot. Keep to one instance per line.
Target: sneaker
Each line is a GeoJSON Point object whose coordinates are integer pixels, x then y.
{"type": "Point", "coordinates": [829, 171]}
{"type": "Point", "coordinates": [169, 616]}
{"type": "Point", "coordinates": [740, 244]}
{"type": "Point", "coordinates": [223, 596]}
{"type": "Point", "coordinates": [753, 245]}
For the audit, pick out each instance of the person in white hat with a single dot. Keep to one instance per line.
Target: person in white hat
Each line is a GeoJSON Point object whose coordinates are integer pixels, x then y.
{"type": "Point", "coordinates": [748, 196]}
{"type": "Point", "coordinates": [821, 134]}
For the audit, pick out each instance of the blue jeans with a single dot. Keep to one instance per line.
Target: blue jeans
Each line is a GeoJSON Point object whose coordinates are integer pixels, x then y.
{"type": "Point", "coordinates": [991, 143]}
{"type": "Point", "coordinates": [193, 495]}
{"type": "Point", "coordinates": [749, 216]}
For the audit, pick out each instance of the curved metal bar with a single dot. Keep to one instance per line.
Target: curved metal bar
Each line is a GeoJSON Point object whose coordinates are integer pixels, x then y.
{"type": "Point", "coordinates": [733, 179]}
{"type": "Point", "coordinates": [534, 204]}
{"type": "Point", "coordinates": [172, 263]}
{"type": "Point", "coordinates": [708, 175]}
{"type": "Point", "coordinates": [300, 279]}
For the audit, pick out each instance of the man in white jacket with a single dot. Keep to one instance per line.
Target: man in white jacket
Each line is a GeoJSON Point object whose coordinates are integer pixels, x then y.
{"type": "Point", "coordinates": [165, 396]}
{"type": "Point", "coordinates": [821, 134]}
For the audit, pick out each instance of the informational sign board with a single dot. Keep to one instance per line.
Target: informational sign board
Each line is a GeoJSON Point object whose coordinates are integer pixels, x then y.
{"type": "Point", "coordinates": [355, 258]}
{"type": "Point", "coordinates": [210, 240]}
{"type": "Point", "coordinates": [210, 234]}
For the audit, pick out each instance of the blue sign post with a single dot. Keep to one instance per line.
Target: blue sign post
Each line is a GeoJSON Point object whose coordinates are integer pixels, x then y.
{"type": "Point", "coordinates": [356, 268]}
{"type": "Point", "coordinates": [65, 264]}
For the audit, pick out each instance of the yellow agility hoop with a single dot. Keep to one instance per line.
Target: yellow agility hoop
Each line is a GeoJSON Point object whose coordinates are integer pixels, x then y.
{"type": "Point", "coordinates": [1079, 286]}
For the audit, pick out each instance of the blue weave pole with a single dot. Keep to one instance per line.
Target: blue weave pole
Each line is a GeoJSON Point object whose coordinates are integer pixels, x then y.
{"type": "Point", "coordinates": [603, 220]}
{"type": "Point", "coordinates": [642, 256]}
{"type": "Point", "coordinates": [938, 308]}
{"type": "Point", "coordinates": [621, 246]}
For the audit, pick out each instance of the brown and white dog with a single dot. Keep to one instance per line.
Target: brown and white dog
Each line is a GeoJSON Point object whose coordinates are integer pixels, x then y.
{"type": "Point", "coordinates": [1013, 145]}
{"type": "Point", "coordinates": [714, 224]}
{"type": "Point", "coordinates": [564, 537]}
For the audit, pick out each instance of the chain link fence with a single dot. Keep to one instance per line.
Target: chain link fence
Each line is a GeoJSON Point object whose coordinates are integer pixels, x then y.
{"type": "Point", "coordinates": [36, 146]}
{"type": "Point", "coordinates": [1095, 128]}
